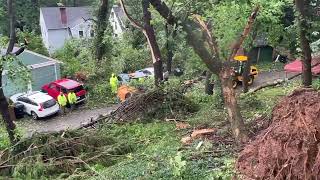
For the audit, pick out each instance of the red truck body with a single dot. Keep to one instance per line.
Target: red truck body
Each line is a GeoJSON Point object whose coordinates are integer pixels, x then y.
{"type": "Point", "coordinates": [65, 85]}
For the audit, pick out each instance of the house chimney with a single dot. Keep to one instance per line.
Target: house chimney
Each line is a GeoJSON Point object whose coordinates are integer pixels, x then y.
{"type": "Point", "coordinates": [63, 15]}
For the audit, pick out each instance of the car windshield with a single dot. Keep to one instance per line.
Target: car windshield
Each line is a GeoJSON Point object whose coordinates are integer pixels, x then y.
{"type": "Point", "coordinates": [49, 104]}
{"type": "Point", "coordinates": [77, 89]}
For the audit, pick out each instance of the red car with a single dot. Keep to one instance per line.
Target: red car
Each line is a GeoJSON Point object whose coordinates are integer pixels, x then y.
{"type": "Point", "coordinates": [65, 85]}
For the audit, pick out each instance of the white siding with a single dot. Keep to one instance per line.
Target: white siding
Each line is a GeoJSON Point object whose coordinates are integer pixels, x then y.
{"type": "Point", "coordinates": [57, 39]}
{"type": "Point", "coordinates": [44, 31]}
{"type": "Point", "coordinates": [116, 24]}
{"type": "Point", "coordinates": [85, 26]}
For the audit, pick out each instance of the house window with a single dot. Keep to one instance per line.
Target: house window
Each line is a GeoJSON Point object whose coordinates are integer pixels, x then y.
{"type": "Point", "coordinates": [92, 33]}
{"type": "Point", "coordinates": [115, 26]}
{"type": "Point", "coordinates": [81, 34]}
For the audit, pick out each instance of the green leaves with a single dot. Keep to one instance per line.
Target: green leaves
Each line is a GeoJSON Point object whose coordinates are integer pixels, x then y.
{"type": "Point", "coordinates": [178, 165]}
{"type": "Point", "coordinates": [35, 42]}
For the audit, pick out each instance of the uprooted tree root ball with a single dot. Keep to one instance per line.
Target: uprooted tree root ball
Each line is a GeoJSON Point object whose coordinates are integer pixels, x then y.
{"type": "Point", "coordinates": [289, 147]}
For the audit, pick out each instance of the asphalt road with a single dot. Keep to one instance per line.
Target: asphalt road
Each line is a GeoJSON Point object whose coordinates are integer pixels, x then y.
{"type": "Point", "coordinates": [69, 121]}
{"type": "Point", "coordinates": [265, 77]}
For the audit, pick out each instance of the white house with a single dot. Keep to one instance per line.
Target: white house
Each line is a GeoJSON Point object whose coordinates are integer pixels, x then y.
{"type": "Point", "coordinates": [59, 24]}
{"type": "Point", "coordinates": [117, 20]}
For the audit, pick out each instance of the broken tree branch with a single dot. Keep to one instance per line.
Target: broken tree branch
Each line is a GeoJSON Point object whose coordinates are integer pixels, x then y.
{"type": "Point", "coordinates": [245, 32]}
{"type": "Point", "coordinates": [132, 21]}
{"type": "Point", "coordinates": [211, 39]}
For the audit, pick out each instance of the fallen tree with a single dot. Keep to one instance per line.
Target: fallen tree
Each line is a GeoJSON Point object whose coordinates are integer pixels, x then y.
{"type": "Point", "coordinates": [289, 147]}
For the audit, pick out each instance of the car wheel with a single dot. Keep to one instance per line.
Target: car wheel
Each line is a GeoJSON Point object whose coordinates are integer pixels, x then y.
{"type": "Point", "coordinates": [250, 82]}
{"type": "Point", "coordinates": [34, 115]}
{"type": "Point", "coordinates": [234, 84]}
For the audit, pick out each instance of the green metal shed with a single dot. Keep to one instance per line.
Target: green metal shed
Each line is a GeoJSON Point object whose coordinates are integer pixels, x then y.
{"type": "Point", "coordinates": [262, 54]}
{"type": "Point", "coordinates": [43, 70]}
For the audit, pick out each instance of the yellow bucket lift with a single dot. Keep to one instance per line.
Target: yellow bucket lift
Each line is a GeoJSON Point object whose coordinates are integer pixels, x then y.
{"type": "Point", "coordinates": [238, 72]}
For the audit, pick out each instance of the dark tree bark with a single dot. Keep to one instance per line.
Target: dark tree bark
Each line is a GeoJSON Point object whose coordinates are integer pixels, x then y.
{"type": "Point", "coordinates": [4, 106]}
{"type": "Point", "coordinates": [101, 23]}
{"type": "Point", "coordinates": [246, 73]}
{"type": "Point", "coordinates": [152, 41]}
{"type": "Point", "coordinates": [170, 47]}
{"type": "Point", "coordinates": [207, 88]}
{"type": "Point", "coordinates": [199, 37]}
{"type": "Point", "coordinates": [247, 67]}
{"type": "Point", "coordinates": [12, 19]}
{"type": "Point", "coordinates": [149, 33]}
{"type": "Point", "coordinates": [236, 121]}
{"type": "Point", "coordinates": [302, 6]}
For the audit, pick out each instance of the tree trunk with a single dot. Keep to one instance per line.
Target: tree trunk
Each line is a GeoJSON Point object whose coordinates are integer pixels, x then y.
{"type": "Point", "coordinates": [149, 33]}
{"type": "Point", "coordinates": [169, 46]}
{"type": "Point", "coordinates": [101, 27]}
{"type": "Point", "coordinates": [12, 19]}
{"type": "Point", "coordinates": [304, 42]}
{"type": "Point", "coordinates": [10, 126]}
{"type": "Point", "coordinates": [246, 73]}
{"type": "Point", "coordinates": [152, 41]}
{"type": "Point", "coordinates": [218, 96]}
{"type": "Point", "coordinates": [247, 67]}
{"type": "Point", "coordinates": [207, 87]}
{"type": "Point", "coordinates": [230, 102]}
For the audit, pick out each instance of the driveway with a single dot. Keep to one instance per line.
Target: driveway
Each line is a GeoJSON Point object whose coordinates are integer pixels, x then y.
{"type": "Point", "coordinates": [265, 77]}
{"type": "Point", "coordinates": [72, 120]}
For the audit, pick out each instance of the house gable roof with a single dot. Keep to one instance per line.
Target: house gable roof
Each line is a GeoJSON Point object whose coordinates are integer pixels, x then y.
{"type": "Point", "coordinates": [75, 15]}
{"type": "Point", "coordinates": [119, 12]}
{"type": "Point", "coordinates": [30, 58]}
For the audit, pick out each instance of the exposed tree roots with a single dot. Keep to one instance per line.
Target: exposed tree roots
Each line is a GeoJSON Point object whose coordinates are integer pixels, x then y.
{"type": "Point", "coordinates": [289, 147]}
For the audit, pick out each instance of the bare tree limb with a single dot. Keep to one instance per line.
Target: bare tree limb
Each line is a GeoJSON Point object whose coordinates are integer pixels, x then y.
{"type": "Point", "coordinates": [89, 19]}
{"type": "Point", "coordinates": [245, 32]}
{"type": "Point", "coordinates": [133, 21]}
{"type": "Point", "coordinates": [211, 39]}
{"type": "Point", "coordinates": [12, 17]}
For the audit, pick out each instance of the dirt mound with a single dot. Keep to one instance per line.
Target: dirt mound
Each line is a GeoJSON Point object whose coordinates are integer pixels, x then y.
{"type": "Point", "coordinates": [289, 147]}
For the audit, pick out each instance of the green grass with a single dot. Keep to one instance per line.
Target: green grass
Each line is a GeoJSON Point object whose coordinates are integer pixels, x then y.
{"type": "Point", "coordinates": [261, 103]}
{"type": "Point", "coordinates": [157, 152]}
{"type": "Point", "coordinates": [4, 139]}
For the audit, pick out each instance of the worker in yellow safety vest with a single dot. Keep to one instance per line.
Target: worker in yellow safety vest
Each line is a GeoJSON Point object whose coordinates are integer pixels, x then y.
{"type": "Point", "coordinates": [114, 83]}
{"type": "Point", "coordinates": [72, 99]}
{"type": "Point", "coordinates": [62, 100]}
